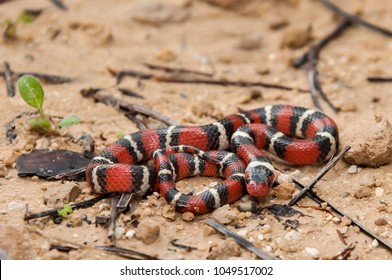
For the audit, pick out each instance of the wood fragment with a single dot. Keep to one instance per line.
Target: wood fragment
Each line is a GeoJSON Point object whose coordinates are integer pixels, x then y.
{"type": "Point", "coordinates": [176, 70]}
{"type": "Point", "coordinates": [127, 253]}
{"type": "Point", "coordinates": [240, 240]}
{"type": "Point", "coordinates": [170, 79]}
{"type": "Point", "coordinates": [62, 248]}
{"type": "Point", "coordinates": [341, 237]}
{"type": "Point", "coordinates": [322, 172]}
{"type": "Point", "coordinates": [43, 77]}
{"type": "Point", "coordinates": [79, 205]}
{"type": "Point", "coordinates": [345, 253]}
{"type": "Point", "coordinates": [356, 19]}
{"type": "Point", "coordinates": [8, 79]}
{"type": "Point", "coordinates": [314, 82]}
{"type": "Point", "coordinates": [130, 93]}
{"type": "Point", "coordinates": [378, 79]}
{"type": "Point", "coordinates": [182, 246]}
{"type": "Point", "coordinates": [113, 216]}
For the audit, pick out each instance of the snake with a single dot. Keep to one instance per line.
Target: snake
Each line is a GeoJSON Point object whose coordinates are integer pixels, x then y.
{"type": "Point", "coordinates": [236, 147]}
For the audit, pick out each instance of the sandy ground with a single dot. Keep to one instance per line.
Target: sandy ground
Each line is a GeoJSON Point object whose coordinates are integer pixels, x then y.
{"type": "Point", "coordinates": [252, 41]}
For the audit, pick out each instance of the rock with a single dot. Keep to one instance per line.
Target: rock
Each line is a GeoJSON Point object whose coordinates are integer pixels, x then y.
{"type": "Point", "coordinates": [278, 22]}
{"type": "Point", "coordinates": [367, 181]}
{"type": "Point", "coordinates": [130, 233]}
{"type": "Point", "coordinates": [15, 243]}
{"type": "Point", "coordinates": [344, 230]}
{"type": "Point", "coordinates": [147, 231]}
{"type": "Point", "coordinates": [363, 192]}
{"type": "Point", "coordinates": [284, 178]}
{"type": "Point", "coordinates": [42, 143]}
{"type": "Point", "coordinates": [57, 196]}
{"type": "Point", "coordinates": [229, 248]}
{"type": "Point", "coordinates": [353, 169]}
{"type": "Point", "coordinates": [375, 243]}
{"type": "Point", "coordinates": [313, 252]}
{"type": "Point", "coordinates": [371, 147]}
{"type": "Point", "coordinates": [55, 255]}
{"type": "Point", "coordinates": [224, 215]}
{"type": "Point", "coordinates": [169, 212]}
{"type": "Point", "coordinates": [16, 206]}
{"type": "Point", "coordinates": [379, 192]}
{"type": "Point", "coordinates": [166, 55]}
{"type": "Point", "coordinates": [188, 216]}
{"type": "Point", "coordinates": [118, 232]}
{"type": "Point", "coordinates": [158, 14]}
{"type": "Point", "coordinates": [266, 228]}
{"type": "Point", "coordinates": [380, 222]}
{"type": "Point", "coordinates": [242, 232]}
{"type": "Point", "coordinates": [296, 37]}
{"type": "Point", "coordinates": [284, 191]}
{"type": "Point", "coordinates": [246, 206]}
{"type": "Point", "coordinates": [76, 219]}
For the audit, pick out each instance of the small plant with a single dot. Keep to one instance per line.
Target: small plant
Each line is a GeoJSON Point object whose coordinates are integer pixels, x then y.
{"type": "Point", "coordinates": [65, 211]}
{"type": "Point", "coordinates": [33, 94]}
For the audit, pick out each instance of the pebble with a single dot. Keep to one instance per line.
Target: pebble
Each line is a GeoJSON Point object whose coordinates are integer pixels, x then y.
{"type": "Point", "coordinates": [187, 216]}
{"type": "Point", "coordinates": [292, 235]}
{"type": "Point", "coordinates": [278, 22]}
{"type": "Point", "coordinates": [335, 220]}
{"type": "Point", "coordinates": [16, 205]}
{"type": "Point", "coordinates": [169, 212]}
{"type": "Point", "coordinates": [368, 181]}
{"type": "Point", "coordinates": [118, 232]}
{"type": "Point", "coordinates": [362, 192]}
{"type": "Point", "coordinates": [344, 230]}
{"type": "Point", "coordinates": [260, 237]}
{"type": "Point", "coordinates": [284, 178]}
{"type": "Point", "coordinates": [313, 252]}
{"type": "Point", "coordinates": [353, 169]}
{"type": "Point", "coordinates": [284, 190]}
{"type": "Point", "coordinates": [76, 219]}
{"type": "Point", "coordinates": [296, 174]}
{"type": "Point", "coordinates": [166, 55]}
{"type": "Point", "coordinates": [246, 206]}
{"type": "Point", "coordinates": [249, 42]}
{"type": "Point", "coordinates": [345, 221]}
{"type": "Point", "coordinates": [42, 143]}
{"type": "Point", "coordinates": [380, 222]}
{"type": "Point", "coordinates": [375, 243]}
{"type": "Point", "coordinates": [130, 233]}
{"type": "Point", "coordinates": [242, 232]}
{"type": "Point", "coordinates": [296, 37]}
{"type": "Point", "coordinates": [379, 192]}
{"type": "Point", "coordinates": [266, 228]}
{"type": "Point", "coordinates": [224, 215]}
{"type": "Point", "coordinates": [147, 231]}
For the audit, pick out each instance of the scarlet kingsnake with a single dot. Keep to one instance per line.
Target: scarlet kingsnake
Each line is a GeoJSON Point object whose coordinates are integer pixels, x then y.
{"type": "Point", "coordinates": [178, 153]}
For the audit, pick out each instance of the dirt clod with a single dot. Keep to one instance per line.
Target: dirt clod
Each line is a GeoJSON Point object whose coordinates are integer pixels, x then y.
{"type": "Point", "coordinates": [147, 231]}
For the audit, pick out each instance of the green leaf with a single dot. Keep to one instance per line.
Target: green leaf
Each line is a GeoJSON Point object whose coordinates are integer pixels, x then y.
{"type": "Point", "coordinates": [31, 91]}
{"type": "Point", "coordinates": [65, 211]}
{"type": "Point", "coordinates": [40, 123]}
{"type": "Point", "coordinates": [69, 121]}
{"type": "Point", "coordinates": [25, 17]}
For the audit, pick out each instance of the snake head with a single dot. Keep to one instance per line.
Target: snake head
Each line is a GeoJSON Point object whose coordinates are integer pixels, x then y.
{"type": "Point", "coordinates": [259, 178]}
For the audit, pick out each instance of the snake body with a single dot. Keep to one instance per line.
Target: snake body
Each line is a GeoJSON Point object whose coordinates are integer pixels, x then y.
{"type": "Point", "coordinates": [295, 134]}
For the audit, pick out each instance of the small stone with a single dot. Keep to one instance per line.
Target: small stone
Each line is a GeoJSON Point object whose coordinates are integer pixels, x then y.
{"type": "Point", "coordinates": [363, 192]}
{"type": "Point", "coordinates": [16, 206]}
{"type": "Point", "coordinates": [353, 169]}
{"type": "Point", "coordinates": [266, 228]}
{"type": "Point", "coordinates": [242, 232]}
{"type": "Point", "coordinates": [284, 178]}
{"type": "Point", "coordinates": [166, 55]}
{"type": "Point", "coordinates": [313, 252]}
{"type": "Point", "coordinates": [130, 233]}
{"type": "Point", "coordinates": [368, 181]}
{"type": "Point", "coordinates": [260, 237]}
{"type": "Point", "coordinates": [296, 37]}
{"type": "Point", "coordinates": [169, 212]}
{"type": "Point", "coordinates": [76, 219]}
{"type": "Point", "coordinates": [292, 235]}
{"type": "Point", "coordinates": [118, 232]}
{"type": "Point", "coordinates": [375, 243]}
{"type": "Point", "coordinates": [249, 42]}
{"type": "Point", "coordinates": [57, 196]}
{"type": "Point", "coordinates": [224, 215]}
{"type": "Point", "coordinates": [348, 106]}
{"type": "Point", "coordinates": [336, 220]}
{"type": "Point", "coordinates": [278, 22]}
{"type": "Point", "coordinates": [284, 190]}
{"type": "Point", "coordinates": [380, 222]}
{"type": "Point", "coordinates": [247, 206]}
{"type": "Point", "coordinates": [379, 192]}
{"type": "Point", "coordinates": [344, 230]}
{"type": "Point", "coordinates": [262, 70]}
{"type": "Point", "coordinates": [147, 231]}
{"type": "Point", "coordinates": [188, 216]}
{"type": "Point", "coordinates": [345, 221]}
{"type": "Point", "coordinates": [296, 174]}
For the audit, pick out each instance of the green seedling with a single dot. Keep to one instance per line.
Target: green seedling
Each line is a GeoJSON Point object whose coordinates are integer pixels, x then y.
{"type": "Point", "coordinates": [65, 211]}
{"type": "Point", "coordinates": [33, 94]}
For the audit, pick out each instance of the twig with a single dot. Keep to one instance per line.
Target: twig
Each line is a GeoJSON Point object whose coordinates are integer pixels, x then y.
{"type": "Point", "coordinates": [48, 78]}
{"type": "Point", "coordinates": [339, 212]}
{"type": "Point", "coordinates": [59, 4]}
{"type": "Point", "coordinates": [176, 70]}
{"type": "Point", "coordinates": [113, 215]}
{"type": "Point", "coordinates": [80, 205]}
{"type": "Point", "coordinates": [130, 93]}
{"type": "Point", "coordinates": [128, 253]}
{"type": "Point", "coordinates": [8, 80]}
{"type": "Point", "coordinates": [356, 19]}
{"type": "Point", "coordinates": [341, 237]}
{"type": "Point", "coordinates": [241, 241]}
{"type": "Point", "coordinates": [345, 253]}
{"type": "Point", "coordinates": [314, 82]}
{"type": "Point", "coordinates": [323, 42]}
{"type": "Point", "coordinates": [182, 246]}
{"type": "Point", "coordinates": [127, 107]}
{"type": "Point", "coordinates": [322, 172]}
{"type": "Point", "coordinates": [145, 76]}
{"type": "Point", "coordinates": [377, 79]}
